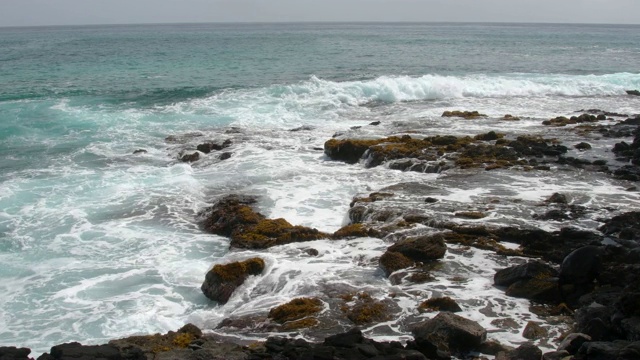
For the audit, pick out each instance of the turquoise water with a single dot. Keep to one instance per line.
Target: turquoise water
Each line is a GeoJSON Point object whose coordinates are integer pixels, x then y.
{"type": "Point", "coordinates": [97, 243]}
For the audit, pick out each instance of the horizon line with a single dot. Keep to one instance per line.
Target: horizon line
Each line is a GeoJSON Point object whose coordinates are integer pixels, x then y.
{"type": "Point", "coordinates": [314, 22]}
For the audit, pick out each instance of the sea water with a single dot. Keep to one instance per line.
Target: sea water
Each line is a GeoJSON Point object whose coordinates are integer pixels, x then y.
{"type": "Point", "coordinates": [98, 243]}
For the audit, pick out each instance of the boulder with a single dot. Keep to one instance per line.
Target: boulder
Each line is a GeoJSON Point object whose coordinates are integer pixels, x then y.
{"type": "Point", "coordinates": [534, 281]}
{"type": "Point", "coordinates": [77, 351]}
{"type": "Point", "coordinates": [633, 92]}
{"type": "Point", "coordinates": [190, 157]}
{"type": "Point", "coordinates": [526, 351]}
{"type": "Point", "coordinates": [14, 353]}
{"type": "Point", "coordinates": [580, 268]}
{"type": "Point", "coordinates": [440, 304]}
{"type": "Point", "coordinates": [448, 334]}
{"type": "Point", "coordinates": [222, 280]}
{"type": "Point", "coordinates": [349, 151]}
{"type": "Point", "coordinates": [421, 248]}
{"type": "Point", "coordinates": [573, 342]}
{"type": "Point", "coordinates": [533, 331]}
{"type": "Point", "coordinates": [392, 261]}
{"type": "Point", "coordinates": [601, 350]}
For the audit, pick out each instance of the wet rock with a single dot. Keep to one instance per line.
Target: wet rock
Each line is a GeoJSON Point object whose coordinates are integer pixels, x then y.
{"type": "Point", "coordinates": [392, 261]}
{"type": "Point", "coordinates": [595, 321]}
{"type": "Point", "coordinates": [490, 136]}
{"type": "Point", "coordinates": [463, 114]}
{"type": "Point", "coordinates": [354, 231]}
{"type": "Point", "coordinates": [447, 334]}
{"type": "Point", "coordinates": [474, 215]}
{"type": "Point", "coordinates": [582, 146]}
{"type": "Point", "coordinates": [222, 280]}
{"type": "Point", "coordinates": [555, 355]}
{"type": "Point", "coordinates": [600, 350]}
{"type": "Point", "coordinates": [430, 200]}
{"type": "Point", "coordinates": [573, 342]}
{"type": "Point", "coordinates": [296, 309]}
{"type": "Point", "coordinates": [303, 128]}
{"type": "Point", "coordinates": [349, 151]}
{"type": "Point", "coordinates": [74, 350]}
{"type": "Point", "coordinates": [312, 252]}
{"type": "Point", "coordinates": [209, 147]}
{"type": "Point", "coordinates": [526, 351]}
{"type": "Point", "coordinates": [234, 217]}
{"type": "Point", "coordinates": [625, 226]}
{"type": "Point", "coordinates": [190, 157]}
{"type": "Point", "coordinates": [509, 117]}
{"type": "Point", "coordinates": [367, 310]}
{"type": "Point", "coordinates": [534, 280]}
{"type": "Point", "coordinates": [440, 304]}
{"type": "Point", "coordinates": [421, 248]}
{"type": "Point", "coordinates": [14, 353]}
{"type": "Point", "coordinates": [374, 123]}
{"type": "Point", "coordinates": [140, 151]}
{"type": "Point", "coordinates": [225, 156]}
{"type": "Point", "coordinates": [633, 92]}
{"type": "Point", "coordinates": [533, 331]}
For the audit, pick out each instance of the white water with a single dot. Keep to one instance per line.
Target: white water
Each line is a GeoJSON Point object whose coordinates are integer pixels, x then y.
{"type": "Point", "coordinates": [99, 243]}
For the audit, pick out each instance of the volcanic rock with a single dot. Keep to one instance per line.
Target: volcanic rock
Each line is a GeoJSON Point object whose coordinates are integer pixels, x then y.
{"type": "Point", "coordinates": [222, 280]}
{"type": "Point", "coordinates": [448, 334]}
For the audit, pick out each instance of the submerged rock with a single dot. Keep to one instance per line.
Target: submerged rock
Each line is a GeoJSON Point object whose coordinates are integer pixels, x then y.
{"type": "Point", "coordinates": [440, 304]}
{"type": "Point", "coordinates": [222, 280]}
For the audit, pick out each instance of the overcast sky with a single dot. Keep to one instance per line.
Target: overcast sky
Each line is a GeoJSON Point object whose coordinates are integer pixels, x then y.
{"type": "Point", "coordinates": [77, 12]}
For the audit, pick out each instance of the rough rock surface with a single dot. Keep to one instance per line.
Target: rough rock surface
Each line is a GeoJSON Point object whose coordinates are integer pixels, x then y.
{"type": "Point", "coordinates": [447, 334]}
{"type": "Point", "coordinates": [222, 280]}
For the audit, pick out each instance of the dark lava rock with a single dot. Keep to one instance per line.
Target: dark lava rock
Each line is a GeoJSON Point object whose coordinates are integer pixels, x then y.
{"type": "Point", "coordinates": [303, 128]}
{"type": "Point", "coordinates": [448, 334]}
{"type": "Point", "coordinates": [349, 345]}
{"type": "Point", "coordinates": [555, 355]}
{"type": "Point", "coordinates": [595, 321]}
{"type": "Point", "coordinates": [430, 200]}
{"type": "Point", "coordinates": [190, 157]}
{"type": "Point", "coordinates": [140, 151]}
{"type": "Point", "coordinates": [421, 248]}
{"type": "Point", "coordinates": [77, 351]}
{"type": "Point", "coordinates": [13, 353]}
{"type": "Point", "coordinates": [349, 151]}
{"type": "Point", "coordinates": [225, 155]}
{"type": "Point", "coordinates": [222, 280]}
{"type": "Point", "coordinates": [625, 226]}
{"type": "Point", "coordinates": [573, 342]}
{"type": "Point", "coordinates": [463, 114]}
{"type": "Point", "coordinates": [525, 351]}
{"type": "Point", "coordinates": [534, 280]}
{"type": "Point", "coordinates": [582, 146]}
{"type": "Point", "coordinates": [374, 123]}
{"type": "Point", "coordinates": [295, 309]}
{"type": "Point", "coordinates": [600, 350]}
{"type": "Point", "coordinates": [366, 310]}
{"type": "Point", "coordinates": [633, 92]}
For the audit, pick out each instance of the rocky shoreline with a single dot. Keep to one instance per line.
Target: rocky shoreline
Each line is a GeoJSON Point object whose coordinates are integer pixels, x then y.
{"type": "Point", "coordinates": [583, 282]}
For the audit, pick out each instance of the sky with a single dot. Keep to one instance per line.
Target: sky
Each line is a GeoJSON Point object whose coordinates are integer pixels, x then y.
{"type": "Point", "coordinates": [82, 12]}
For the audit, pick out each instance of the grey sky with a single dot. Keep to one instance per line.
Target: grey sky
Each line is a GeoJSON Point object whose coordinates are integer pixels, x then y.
{"type": "Point", "coordinates": [75, 12]}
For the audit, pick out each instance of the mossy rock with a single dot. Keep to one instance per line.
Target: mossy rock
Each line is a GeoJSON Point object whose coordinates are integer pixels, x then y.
{"type": "Point", "coordinates": [490, 136]}
{"type": "Point", "coordinates": [296, 309]}
{"type": "Point", "coordinates": [464, 114]}
{"type": "Point", "coordinates": [354, 231]}
{"type": "Point", "coordinates": [162, 342]}
{"type": "Point", "coordinates": [349, 151]}
{"type": "Point", "coordinates": [366, 310]}
{"type": "Point", "coordinates": [440, 304]}
{"type": "Point", "coordinates": [273, 232]}
{"type": "Point", "coordinates": [533, 331]}
{"type": "Point", "coordinates": [222, 280]}
{"type": "Point", "coordinates": [509, 117]}
{"type": "Point", "coordinates": [421, 248]}
{"type": "Point", "coordinates": [392, 261]}
{"type": "Point", "coordinates": [300, 324]}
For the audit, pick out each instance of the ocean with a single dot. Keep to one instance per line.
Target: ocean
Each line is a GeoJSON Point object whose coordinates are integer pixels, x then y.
{"type": "Point", "coordinates": [98, 243]}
